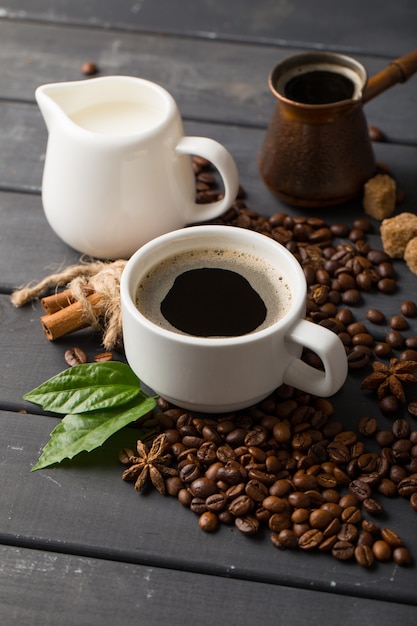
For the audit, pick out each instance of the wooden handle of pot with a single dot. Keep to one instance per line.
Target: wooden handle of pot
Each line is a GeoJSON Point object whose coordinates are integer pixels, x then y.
{"type": "Point", "coordinates": [398, 71]}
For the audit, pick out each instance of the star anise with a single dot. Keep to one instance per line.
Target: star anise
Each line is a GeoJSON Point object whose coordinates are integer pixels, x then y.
{"type": "Point", "coordinates": [390, 379]}
{"type": "Point", "coordinates": [149, 464]}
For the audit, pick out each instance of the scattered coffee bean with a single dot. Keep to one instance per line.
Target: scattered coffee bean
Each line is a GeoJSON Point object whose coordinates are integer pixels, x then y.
{"type": "Point", "coordinates": [103, 357]}
{"type": "Point", "coordinates": [382, 551]}
{"type": "Point", "coordinates": [409, 308]}
{"type": "Point", "coordinates": [209, 522]}
{"type": "Point", "coordinates": [375, 134]}
{"type": "Point", "coordinates": [375, 316]}
{"type": "Point", "coordinates": [398, 322]}
{"type": "Point", "coordinates": [75, 356]}
{"type": "Point", "coordinates": [387, 285]}
{"type": "Point", "coordinates": [89, 68]}
{"type": "Point", "coordinates": [408, 355]}
{"type": "Point", "coordinates": [382, 350]}
{"type": "Point", "coordinates": [395, 339]}
{"type": "Point", "coordinates": [367, 426]}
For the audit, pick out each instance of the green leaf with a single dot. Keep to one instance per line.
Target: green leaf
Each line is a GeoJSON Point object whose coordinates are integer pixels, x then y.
{"type": "Point", "coordinates": [87, 387]}
{"type": "Point", "coordinates": [85, 432]}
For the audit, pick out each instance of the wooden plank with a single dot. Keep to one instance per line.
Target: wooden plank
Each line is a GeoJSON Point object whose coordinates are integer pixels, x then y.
{"type": "Point", "coordinates": [109, 593]}
{"type": "Point", "coordinates": [83, 508]}
{"type": "Point", "coordinates": [207, 78]}
{"type": "Point", "coordinates": [350, 26]}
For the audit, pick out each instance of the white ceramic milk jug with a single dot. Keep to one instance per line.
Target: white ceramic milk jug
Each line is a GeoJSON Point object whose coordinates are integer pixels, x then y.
{"type": "Point", "coordinates": [118, 168]}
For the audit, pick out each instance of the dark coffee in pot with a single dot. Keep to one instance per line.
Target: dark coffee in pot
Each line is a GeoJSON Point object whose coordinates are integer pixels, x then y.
{"type": "Point", "coordinates": [213, 293]}
{"type": "Point", "coordinates": [319, 87]}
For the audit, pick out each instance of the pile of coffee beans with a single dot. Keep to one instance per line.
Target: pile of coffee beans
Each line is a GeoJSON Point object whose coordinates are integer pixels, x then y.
{"type": "Point", "coordinates": [288, 466]}
{"type": "Point", "coordinates": [341, 269]}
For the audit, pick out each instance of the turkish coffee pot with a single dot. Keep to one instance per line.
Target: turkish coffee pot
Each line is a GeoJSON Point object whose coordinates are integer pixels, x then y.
{"type": "Point", "coordinates": [317, 151]}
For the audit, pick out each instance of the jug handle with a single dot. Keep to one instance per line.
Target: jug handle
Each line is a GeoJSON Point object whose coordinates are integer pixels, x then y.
{"type": "Point", "coordinates": [223, 161]}
{"type": "Point", "coordinates": [398, 71]}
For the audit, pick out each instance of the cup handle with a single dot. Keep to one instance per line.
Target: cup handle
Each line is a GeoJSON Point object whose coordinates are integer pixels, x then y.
{"type": "Point", "coordinates": [226, 166]}
{"type": "Point", "coordinates": [329, 348]}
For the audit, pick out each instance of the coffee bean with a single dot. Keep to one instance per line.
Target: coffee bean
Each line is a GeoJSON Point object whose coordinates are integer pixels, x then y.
{"type": "Point", "coordinates": [103, 357]}
{"type": "Point", "coordinates": [386, 270]}
{"type": "Point", "coordinates": [285, 539]}
{"type": "Point", "coordinates": [343, 550]}
{"type": "Point", "coordinates": [216, 502]}
{"type": "Point", "coordinates": [89, 68]}
{"type": "Point", "coordinates": [339, 230]}
{"type": "Point", "coordinates": [391, 537]}
{"type": "Point", "coordinates": [375, 316]}
{"type": "Point", "coordinates": [75, 356]}
{"type": "Point", "coordinates": [402, 556]}
{"type": "Point", "coordinates": [198, 506]}
{"type": "Point", "coordinates": [375, 134]}
{"type": "Point", "coordinates": [408, 355]}
{"type": "Point", "coordinates": [387, 285]}
{"type": "Point", "coordinates": [203, 487]}
{"type": "Point", "coordinates": [256, 490]}
{"type": "Point", "coordinates": [345, 316]}
{"type": "Point", "coordinates": [363, 339]}
{"type": "Point", "coordinates": [408, 486]}
{"type": "Point", "coordinates": [351, 297]}
{"type": "Point", "coordinates": [382, 551]}
{"type": "Point", "coordinates": [401, 428]}
{"type": "Point", "coordinates": [367, 426]}
{"type": "Point", "coordinates": [409, 308]}
{"type": "Point", "coordinates": [364, 555]}
{"type": "Point", "coordinates": [372, 506]}
{"type": "Point", "coordinates": [360, 489]}
{"type": "Point", "coordinates": [241, 506]}
{"type": "Point", "coordinates": [398, 322]}
{"type": "Point", "coordinates": [382, 350]}
{"type": "Point", "coordinates": [389, 405]}
{"type": "Point", "coordinates": [189, 473]}
{"type": "Point", "coordinates": [209, 522]}
{"type": "Point", "coordinates": [351, 515]}
{"type": "Point", "coordinates": [247, 525]}
{"type": "Point", "coordinates": [310, 539]}
{"type": "Point", "coordinates": [358, 359]}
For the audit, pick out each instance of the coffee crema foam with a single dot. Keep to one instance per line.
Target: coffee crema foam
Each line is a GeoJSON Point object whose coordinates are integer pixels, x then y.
{"type": "Point", "coordinates": [263, 276]}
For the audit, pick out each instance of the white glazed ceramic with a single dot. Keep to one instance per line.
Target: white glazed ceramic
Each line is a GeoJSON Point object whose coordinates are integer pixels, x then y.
{"type": "Point", "coordinates": [110, 186]}
{"type": "Point", "coordinates": [225, 374]}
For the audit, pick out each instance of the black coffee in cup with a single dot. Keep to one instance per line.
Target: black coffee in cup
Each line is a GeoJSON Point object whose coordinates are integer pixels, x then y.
{"type": "Point", "coordinates": [213, 292]}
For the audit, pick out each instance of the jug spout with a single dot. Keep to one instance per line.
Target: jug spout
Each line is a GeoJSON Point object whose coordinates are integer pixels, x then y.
{"type": "Point", "coordinates": [398, 71]}
{"type": "Point", "coordinates": [47, 104]}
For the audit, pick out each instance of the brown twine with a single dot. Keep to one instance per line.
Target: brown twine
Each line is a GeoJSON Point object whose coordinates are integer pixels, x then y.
{"type": "Point", "coordinates": [103, 278]}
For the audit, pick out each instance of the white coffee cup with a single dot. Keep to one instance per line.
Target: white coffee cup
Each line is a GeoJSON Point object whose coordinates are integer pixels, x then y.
{"type": "Point", "coordinates": [220, 374]}
{"type": "Point", "coordinates": [118, 167]}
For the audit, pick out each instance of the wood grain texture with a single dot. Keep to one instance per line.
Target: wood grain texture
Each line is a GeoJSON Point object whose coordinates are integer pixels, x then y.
{"type": "Point", "coordinates": [381, 28]}
{"type": "Point", "coordinates": [226, 82]}
{"type": "Point", "coordinates": [92, 512]}
{"type": "Point", "coordinates": [110, 593]}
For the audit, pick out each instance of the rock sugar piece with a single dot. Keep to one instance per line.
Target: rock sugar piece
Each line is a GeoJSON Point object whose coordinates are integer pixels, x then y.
{"type": "Point", "coordinates": [396, 232]}
{"type": "Point", "coordinates": [410, 255]}
{"type": "Point", "coordinates": [379, 196]}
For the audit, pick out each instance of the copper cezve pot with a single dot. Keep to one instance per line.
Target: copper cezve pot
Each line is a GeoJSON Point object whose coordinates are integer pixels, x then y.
{"type": "Point", "coordinates": [317, 151]}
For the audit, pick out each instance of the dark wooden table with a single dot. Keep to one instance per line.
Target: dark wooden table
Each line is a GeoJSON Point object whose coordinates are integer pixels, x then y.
{"type": "Point", "coordinates": [77, 545]}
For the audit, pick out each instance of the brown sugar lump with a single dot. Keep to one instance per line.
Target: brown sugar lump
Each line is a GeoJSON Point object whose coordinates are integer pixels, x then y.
{"type": "Point", "coordinates": [410, 255]}
{"type": "Point", "coordinates": [396, 232]}
{"type": "Point", "coordinates": [379, 196]}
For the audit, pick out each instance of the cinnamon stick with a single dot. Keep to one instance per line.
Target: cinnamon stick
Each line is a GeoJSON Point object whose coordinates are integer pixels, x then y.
{"type": "Point", "coordinates": [69, 319]}
{"type": "Point", "coordinates": [57, 301]}
{"type": "Point", "coordinates": [61, 300]}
